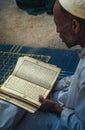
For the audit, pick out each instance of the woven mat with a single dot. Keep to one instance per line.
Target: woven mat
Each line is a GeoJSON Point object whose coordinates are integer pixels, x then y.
{"type": "Point", "coordinates": [9, 54]}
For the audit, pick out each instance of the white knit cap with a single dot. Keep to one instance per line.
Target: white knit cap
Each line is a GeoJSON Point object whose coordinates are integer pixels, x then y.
{"type": "Point", "coordinates": [75, 7]}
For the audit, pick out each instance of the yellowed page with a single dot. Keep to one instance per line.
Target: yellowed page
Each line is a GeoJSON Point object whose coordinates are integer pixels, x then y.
{"type": "Point", "coordinates": [37, 72]}
{"type": "Point", "coordinates": [17, 102]}
{"type": "Point", "coordinates": [24, 89]}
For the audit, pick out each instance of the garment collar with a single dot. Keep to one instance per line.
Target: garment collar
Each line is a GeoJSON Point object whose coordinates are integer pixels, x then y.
{"type": "Point", "coordinates": [82, 53]}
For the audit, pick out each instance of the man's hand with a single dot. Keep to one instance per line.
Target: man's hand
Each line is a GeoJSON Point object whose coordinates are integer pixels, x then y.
{"type": "Point", "coordinates": [50, 106]}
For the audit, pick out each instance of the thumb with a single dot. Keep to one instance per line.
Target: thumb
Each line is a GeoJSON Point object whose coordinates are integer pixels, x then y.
{"type": "Point", "coordinates": [41, 99]}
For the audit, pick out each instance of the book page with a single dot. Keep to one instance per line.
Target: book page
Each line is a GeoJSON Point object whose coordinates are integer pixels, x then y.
{"type": "Point", "coordinates": [17, 102]}
{"type": "Point", "coordinates": [24, 89]}
{"type": "Point", "coordinates": [36, 72]}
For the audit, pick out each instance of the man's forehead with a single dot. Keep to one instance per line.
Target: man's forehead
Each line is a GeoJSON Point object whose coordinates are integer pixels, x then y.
{"type": "Point", "coordinates": [59, 15]}
{"type": "Point", "coordinates": [57, 10]}
{"type": "Point", "coordinates": [58, 18]}
{"type": "Point", "coordinates": [56, 7]}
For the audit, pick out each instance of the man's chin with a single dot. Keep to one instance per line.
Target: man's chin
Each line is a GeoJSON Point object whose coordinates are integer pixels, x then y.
{"type": "Point", "coordinates": [71, 44]}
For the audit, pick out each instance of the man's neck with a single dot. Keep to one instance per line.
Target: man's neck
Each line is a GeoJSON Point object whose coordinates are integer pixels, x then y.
{"type": "Point", "coordinates": [82, 42]}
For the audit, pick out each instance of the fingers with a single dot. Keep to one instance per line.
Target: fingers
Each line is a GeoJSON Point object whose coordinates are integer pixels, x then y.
{"type": "Point", "coordinates": [49, 105]}
{"type": "Point", "coordinates": [41, 99]}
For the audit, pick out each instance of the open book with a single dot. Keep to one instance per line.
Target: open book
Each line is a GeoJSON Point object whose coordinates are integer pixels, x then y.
{"type": "Point", "coordinates": [29, 79]}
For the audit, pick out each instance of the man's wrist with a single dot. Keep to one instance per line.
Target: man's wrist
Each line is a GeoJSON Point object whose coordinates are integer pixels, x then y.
{"type": "Point", "coordinates": [58, 108]}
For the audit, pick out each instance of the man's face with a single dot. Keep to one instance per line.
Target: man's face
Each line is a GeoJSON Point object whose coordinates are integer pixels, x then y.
{"type": "Point", "coordinates": [63, 26]}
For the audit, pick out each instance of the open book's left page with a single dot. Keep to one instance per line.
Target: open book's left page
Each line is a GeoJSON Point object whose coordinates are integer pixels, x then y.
{"type": "Point", "coordinates": [24, 89]}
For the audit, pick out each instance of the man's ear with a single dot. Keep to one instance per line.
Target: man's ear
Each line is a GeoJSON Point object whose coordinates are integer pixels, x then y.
{"type": "Point", "coordinates": [75, 26]}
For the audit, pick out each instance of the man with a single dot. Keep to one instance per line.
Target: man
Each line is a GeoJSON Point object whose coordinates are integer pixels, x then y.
{"type": "Point", "coordinates": [68, 112]}
{"type": "Point", "coordinates": [69, 17]}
